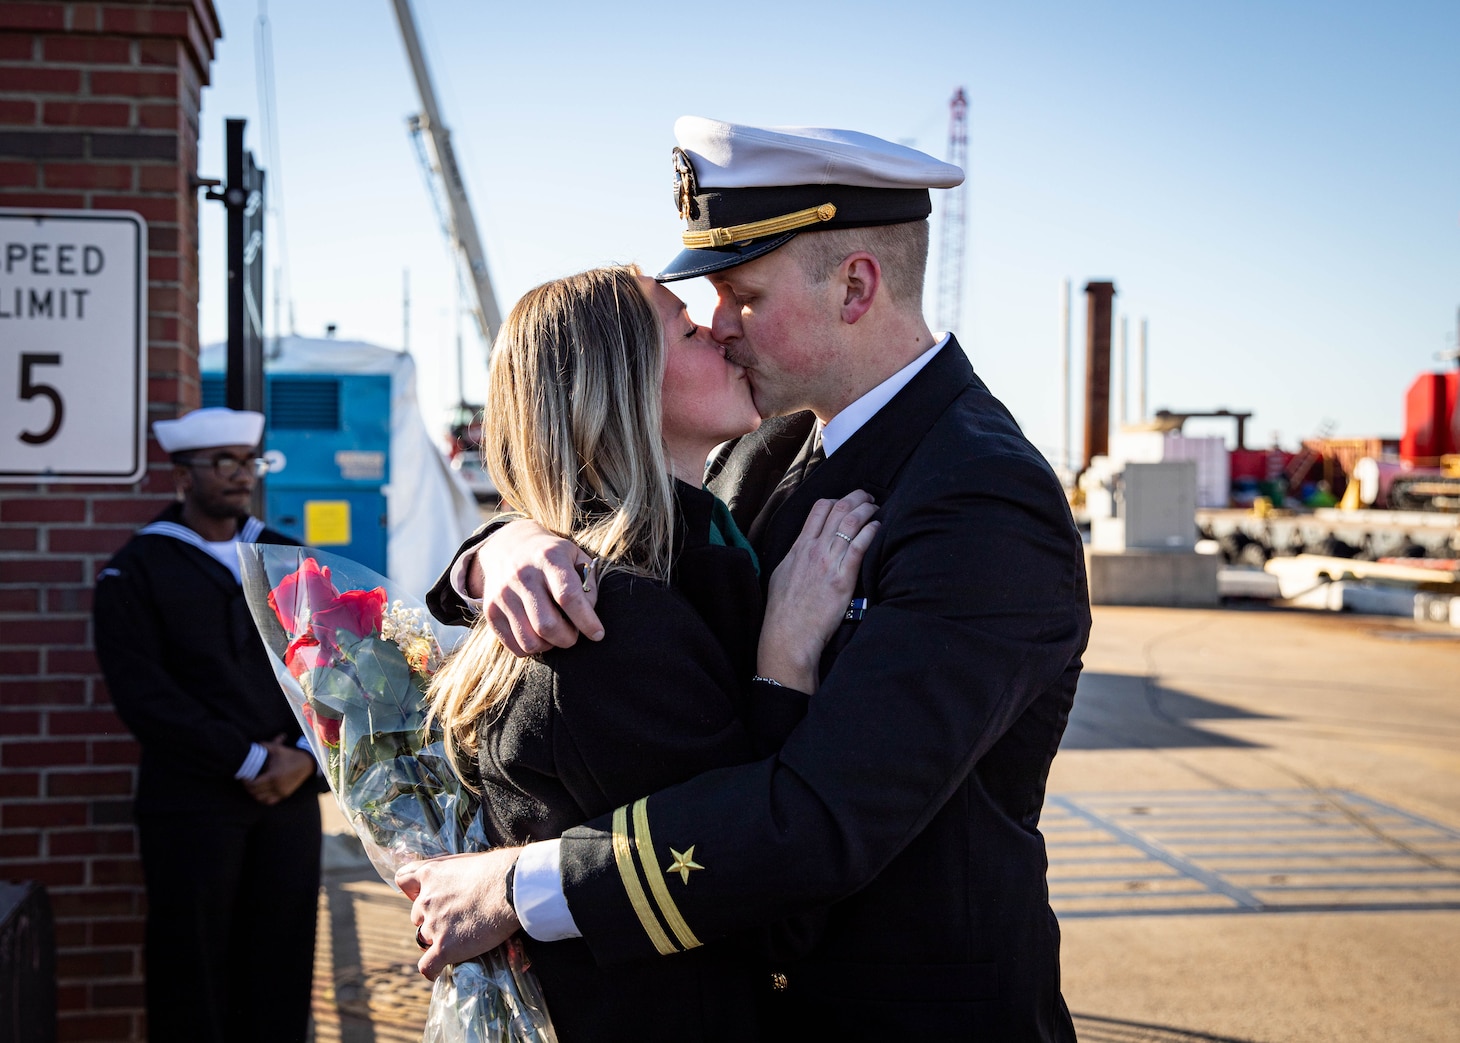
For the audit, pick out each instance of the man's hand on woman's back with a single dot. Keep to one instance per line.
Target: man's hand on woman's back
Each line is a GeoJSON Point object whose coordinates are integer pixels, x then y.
{"type": "Point", "coordinates": [534, 594]}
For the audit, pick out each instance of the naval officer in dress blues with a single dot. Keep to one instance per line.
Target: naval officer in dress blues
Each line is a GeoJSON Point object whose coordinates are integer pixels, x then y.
{"type": "Point", "coordinates": [907, 802]}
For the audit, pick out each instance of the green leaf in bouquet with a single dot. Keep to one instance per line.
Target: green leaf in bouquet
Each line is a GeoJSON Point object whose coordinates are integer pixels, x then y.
{"type": "Point", "coordinates": [466, 804]}
{"type": "Point", "coordinates": [406, 799]}
{"type": "Point", "coordinates": [356, 751]}
{"type": "Point", "coordinates": [406, 820]}
{"type": "Point", "coordinates": [432, 756]}
{"type": "Point", "coordinates": [337, 688]}
{"type": "Point", "coordinates": [396, 704]}
{"type": "Point", "coordinates": [332, 760]}
{"type": "Point", "coordinates": [369, 748]}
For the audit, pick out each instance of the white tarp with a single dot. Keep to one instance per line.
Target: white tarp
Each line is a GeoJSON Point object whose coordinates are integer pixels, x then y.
{"type": "Point", "coordinates": [429, 508]}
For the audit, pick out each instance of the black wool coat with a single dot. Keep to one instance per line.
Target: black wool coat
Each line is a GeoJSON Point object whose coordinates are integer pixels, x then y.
{"type": "Point", "coordinates": [665, 695]}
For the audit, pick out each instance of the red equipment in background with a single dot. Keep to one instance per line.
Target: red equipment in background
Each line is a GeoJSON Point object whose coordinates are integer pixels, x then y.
{"type": "Point", "coordinates": [1431, 419]}
{"type": "Point", "coordinates": [1421, 471]}
{"type": "Point", "coordinates": [1430, 448]}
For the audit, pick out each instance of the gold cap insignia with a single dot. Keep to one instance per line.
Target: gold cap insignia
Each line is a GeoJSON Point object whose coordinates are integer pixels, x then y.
{"type": "Point", "coordinates": [685, 186]}
{"type": "Point", "coordinates": [683, 863]}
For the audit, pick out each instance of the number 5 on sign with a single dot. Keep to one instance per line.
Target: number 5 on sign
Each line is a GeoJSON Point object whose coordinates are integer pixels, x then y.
{"type": "Point", "coordinates": [29, 389]}
{"type": "Point", "coordinates": [73, 346]}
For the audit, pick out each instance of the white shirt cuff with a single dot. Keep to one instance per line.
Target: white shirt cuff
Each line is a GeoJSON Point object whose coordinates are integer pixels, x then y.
{"type": "Point", "coordinates": [458, 581]}
{"type": "Point", "coordinates": [537, 893]}
{"type": "Point", "coordinates": [253, 763]}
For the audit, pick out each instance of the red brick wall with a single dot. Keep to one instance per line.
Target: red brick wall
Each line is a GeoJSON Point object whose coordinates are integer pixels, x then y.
{"type": "Point", "coordinates": [98, 110]}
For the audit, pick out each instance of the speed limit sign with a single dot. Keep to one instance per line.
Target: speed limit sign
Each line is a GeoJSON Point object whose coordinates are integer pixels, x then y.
{"type": "Point", "coordinates": [73, 345]}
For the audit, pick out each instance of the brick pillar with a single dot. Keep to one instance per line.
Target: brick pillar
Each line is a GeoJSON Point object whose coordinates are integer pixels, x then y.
{"type": "Point", "coordinates": [98, 110]}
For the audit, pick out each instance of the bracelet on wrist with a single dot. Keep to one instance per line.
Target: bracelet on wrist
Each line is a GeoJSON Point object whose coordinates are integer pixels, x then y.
{"type": "Point", "coordinates": [767, 680]}
{"type": "Point", "coordinates": [507, 885]}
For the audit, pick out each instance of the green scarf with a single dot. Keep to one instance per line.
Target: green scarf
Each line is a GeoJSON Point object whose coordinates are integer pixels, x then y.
{"type": "Point", "coordinates": [725, 533]}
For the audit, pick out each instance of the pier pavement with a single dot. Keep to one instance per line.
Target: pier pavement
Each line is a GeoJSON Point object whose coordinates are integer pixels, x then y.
{"type": "Point", "coordinates": [1254, 829]}
{"type": "Point", "coordinates": [1254, 837]}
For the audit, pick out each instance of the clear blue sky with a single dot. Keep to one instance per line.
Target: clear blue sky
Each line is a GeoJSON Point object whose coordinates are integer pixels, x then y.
{"type": "Point", "coordinates": [1274, 187]}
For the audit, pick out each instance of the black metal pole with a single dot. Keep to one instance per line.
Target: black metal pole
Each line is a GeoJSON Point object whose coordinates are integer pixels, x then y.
{"type": "Point", "coordinates": [244, 385]}
{"type": "Point", "coordinates": [242, 199]}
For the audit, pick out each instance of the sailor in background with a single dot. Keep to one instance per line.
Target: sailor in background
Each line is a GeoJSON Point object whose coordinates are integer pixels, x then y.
{"type": "Point", "coordinates": [227, 805]}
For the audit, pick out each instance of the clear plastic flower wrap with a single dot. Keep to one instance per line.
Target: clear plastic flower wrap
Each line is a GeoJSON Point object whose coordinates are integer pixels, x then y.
{"type": "Point", "coordinates": [353, 657]}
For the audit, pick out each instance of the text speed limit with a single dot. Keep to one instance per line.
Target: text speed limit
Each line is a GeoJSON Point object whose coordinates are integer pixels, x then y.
{"type": "Point", "coordinates": [73, 349]}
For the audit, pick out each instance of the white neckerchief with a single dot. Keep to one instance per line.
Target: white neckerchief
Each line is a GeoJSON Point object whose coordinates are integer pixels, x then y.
{"type": "Point", "coordinates": [225, 551]}
{"type": "Point", "coordinates": [850, 420]}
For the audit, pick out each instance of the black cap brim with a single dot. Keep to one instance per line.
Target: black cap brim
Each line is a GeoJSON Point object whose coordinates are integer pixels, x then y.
{"type": "Point", "coordinates": [691, 264]}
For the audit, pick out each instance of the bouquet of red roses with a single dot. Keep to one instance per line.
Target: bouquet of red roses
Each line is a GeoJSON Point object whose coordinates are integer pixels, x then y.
{"type": "Point", "coordinates": [354, 659]}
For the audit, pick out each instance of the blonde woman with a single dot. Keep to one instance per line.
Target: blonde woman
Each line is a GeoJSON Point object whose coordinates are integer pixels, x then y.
{"type": "Point", "coordinates": [605, 401]}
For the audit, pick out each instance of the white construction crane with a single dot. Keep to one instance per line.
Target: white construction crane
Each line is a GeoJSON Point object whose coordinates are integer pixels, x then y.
{"type": "Point", "coordinates": [431, 135]}
{"type": "Point", "coordinates": [448, 193]}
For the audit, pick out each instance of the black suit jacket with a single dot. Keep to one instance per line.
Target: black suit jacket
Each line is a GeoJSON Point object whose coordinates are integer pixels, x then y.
{"type": "Point", "coordinates": [908, 799]}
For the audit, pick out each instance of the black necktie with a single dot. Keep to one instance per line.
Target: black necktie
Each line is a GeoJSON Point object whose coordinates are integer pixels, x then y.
{"type": "Point", "coordinates": [801, 467]}
{"type": "Point", "coordinates": [816, 456]}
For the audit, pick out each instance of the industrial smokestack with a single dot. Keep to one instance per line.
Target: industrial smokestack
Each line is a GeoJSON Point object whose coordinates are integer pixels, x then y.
{"type": "Point", "coordinates": [1124, 370]}
{"type": "Point", "coordinates": [1145, 413]}
{"type": "Point", "coordinates": [1101, 299]}
{"type": "Point", "coordinates": [1065, 394]}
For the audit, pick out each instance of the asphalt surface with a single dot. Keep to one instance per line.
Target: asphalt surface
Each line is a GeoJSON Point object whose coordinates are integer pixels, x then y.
{"type": "Point", "coordinates": [1254, 829]}
{"type": "Point", "coordinates": [1254, 835]}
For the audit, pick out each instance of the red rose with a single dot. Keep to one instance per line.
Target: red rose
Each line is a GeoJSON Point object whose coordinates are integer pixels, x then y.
{"type": "Point", "coordinates": [303, 654]}
{"type": "Point", "coordinates": [301, 594]}
{"type": "Point", "coordinates": [356, 611]}
{"type": "Point", "coordinates": [326, 728]}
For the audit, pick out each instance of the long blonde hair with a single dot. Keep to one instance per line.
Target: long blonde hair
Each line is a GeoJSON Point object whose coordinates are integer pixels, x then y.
{"type": "Point", "coordinates": [572, 440]}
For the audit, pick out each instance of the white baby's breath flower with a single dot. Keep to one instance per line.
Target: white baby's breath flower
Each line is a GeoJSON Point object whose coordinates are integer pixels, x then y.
{"type": "Point", "coordinates": [408, 628]}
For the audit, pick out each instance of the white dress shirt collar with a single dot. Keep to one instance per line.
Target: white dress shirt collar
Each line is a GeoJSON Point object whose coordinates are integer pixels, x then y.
{"type": "Point", "coordinates": [849, 420]}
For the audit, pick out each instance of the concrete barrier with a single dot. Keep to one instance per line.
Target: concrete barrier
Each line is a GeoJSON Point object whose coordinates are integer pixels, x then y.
{"type": "Point", "coordinates": [1160, 579]}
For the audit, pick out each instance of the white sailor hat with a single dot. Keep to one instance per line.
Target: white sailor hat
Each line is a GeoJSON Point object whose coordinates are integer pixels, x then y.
{"type": "Point", "coordinates": [744, 191]}
{"type": "Point", "coordinates": [209, 428]}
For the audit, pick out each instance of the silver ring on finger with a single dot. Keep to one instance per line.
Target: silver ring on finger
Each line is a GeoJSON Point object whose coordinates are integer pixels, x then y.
{"type": "Point", "coordinates": [842, 535]}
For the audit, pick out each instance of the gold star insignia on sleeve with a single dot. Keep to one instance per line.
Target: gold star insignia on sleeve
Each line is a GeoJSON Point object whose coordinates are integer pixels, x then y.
{"type": "Point", "coordinates": [683, 863]}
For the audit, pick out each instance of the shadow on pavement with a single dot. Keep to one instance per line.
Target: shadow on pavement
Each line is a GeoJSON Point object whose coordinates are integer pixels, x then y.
{"type": "Point", "coordinates": [366, 987]}
{"type": "Point", "coordinates": [1094, 1029]}
{"type": "Point", "coordinates": [1131, 711]}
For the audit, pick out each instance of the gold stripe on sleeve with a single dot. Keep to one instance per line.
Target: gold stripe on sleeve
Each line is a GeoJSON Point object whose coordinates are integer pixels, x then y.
{"type": "Point", "coordinates": [667, 907]}
{"type": "Point", "coordinates": [624, 857]}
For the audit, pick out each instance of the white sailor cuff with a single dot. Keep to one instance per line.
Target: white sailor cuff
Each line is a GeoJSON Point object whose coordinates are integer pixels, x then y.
{"type": "Point", "coordinates": [258, 753]}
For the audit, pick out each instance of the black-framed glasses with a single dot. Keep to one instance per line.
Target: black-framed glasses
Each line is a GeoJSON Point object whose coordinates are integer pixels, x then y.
{"type": "Point", "coordinates": [229, 466]}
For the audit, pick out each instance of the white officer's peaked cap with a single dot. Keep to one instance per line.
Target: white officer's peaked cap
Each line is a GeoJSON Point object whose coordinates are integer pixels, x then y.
{"type": "Point", "coordinates": [744, 191]}
{"type": "Point", "coordinates": [733, 155]}
{"type": "Point", "coordinates": [208, 429]}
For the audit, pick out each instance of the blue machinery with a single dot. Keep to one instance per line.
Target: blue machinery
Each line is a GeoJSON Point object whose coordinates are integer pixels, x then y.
{"type": "Point", "coordinates": [328, 438]}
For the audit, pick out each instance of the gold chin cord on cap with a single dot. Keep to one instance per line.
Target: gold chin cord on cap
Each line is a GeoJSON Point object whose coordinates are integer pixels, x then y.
{"type": "Point", "coordinates": [759, 229]}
